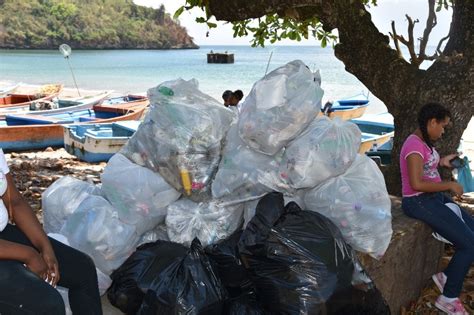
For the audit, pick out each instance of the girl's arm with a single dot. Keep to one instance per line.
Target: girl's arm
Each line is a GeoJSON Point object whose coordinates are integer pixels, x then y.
{"type": "Point", "coordinates": [446, 161]}
{"type": "Point", "coordinates": [26, 220]}
{"type": "Point", "coordinates": [415, 173]}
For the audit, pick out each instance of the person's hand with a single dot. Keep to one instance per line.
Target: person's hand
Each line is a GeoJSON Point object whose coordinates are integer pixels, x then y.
{"type": "Point", "coordinates": [456, 188]}
{"type": "Point", "coordinates": [52, 267]}
{"type": "Point", "coordinates": [446, 161]}
{"type": "Point", "coordinates": [37, 265]}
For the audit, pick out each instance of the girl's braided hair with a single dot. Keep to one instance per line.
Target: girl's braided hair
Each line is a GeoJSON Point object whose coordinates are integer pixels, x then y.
{"type": "Point", "coordinates": [428, 112]}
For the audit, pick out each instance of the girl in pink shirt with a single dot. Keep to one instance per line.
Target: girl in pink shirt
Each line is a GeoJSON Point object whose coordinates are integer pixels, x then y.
{"type": "Point", "coordinates": [423, 199]}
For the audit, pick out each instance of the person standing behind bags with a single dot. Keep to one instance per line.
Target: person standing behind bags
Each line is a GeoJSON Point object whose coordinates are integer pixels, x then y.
{"type": "Point", "coordinates": [226, 96]}
{"type": "Point", "coordinates": [31, 264]}
{"type": "Point", "coordinates": [423, 199]}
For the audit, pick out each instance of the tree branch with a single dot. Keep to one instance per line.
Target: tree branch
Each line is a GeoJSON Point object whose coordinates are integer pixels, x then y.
{"type": "Point", "coordinates": [411, 42]}
{"type": "Point", "coordinates": [394, 36]}
{"type": "Point", "coordinates": [237, 10]}
{"type": "Point", "coordinates": [431, 22]}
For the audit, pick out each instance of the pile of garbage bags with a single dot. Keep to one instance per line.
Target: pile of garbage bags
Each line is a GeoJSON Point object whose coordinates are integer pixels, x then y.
{"type": "Point", "coordinates": [287, 261]}
{"type": "Point", "coordinates": [191, 181]}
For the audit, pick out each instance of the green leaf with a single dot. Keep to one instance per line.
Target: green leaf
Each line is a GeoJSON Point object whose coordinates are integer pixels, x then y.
{"type": "Point", "coordinates": [324, 42]}
{"type": "Point", "coordinates": [178, 12]}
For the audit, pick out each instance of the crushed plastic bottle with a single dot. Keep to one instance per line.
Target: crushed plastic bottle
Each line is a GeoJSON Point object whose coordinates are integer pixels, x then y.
{"type": "Point", "coordinates": [166, 91]}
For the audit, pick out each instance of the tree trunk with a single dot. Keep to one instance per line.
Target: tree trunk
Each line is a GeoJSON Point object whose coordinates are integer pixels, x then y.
{"type": "Point", "coordinates": [366, 54]}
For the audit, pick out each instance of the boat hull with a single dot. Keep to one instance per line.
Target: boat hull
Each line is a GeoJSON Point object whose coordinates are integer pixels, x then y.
{"type": "Point", "coordinates": [45, 93]}
{"type": "Point", "coordinates": [376, 129]}
{"type": "Point", "coordinates": [346, 112]}
{"type": "Point", "coordinates": [82, 103]}
{"type": "Point", "coordinates": [31, 137]}
{"type": "Point", "coordinates": [98, 142]}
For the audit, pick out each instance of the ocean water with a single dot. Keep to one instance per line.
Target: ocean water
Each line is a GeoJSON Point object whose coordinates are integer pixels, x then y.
{"type": "Point", "coordinates": [135, 71]}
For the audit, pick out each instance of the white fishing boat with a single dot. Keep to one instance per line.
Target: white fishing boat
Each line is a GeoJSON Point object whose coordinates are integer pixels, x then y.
{"type": "Point", "coordinates": [98, 142]}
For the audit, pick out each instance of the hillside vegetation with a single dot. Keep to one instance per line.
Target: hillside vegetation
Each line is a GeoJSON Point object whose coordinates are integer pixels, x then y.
{"type": "Point", "coordinates": [88, 24]}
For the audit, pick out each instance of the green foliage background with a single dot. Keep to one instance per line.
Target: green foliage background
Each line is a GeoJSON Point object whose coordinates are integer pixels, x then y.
{"type": "Point", "coordinates": [88, 24]}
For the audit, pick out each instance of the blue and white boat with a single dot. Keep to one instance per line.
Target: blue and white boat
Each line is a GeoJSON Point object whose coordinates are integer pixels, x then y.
{"type": "Point", "coordinates": [27, 132]}
{"type": "Point", "coordinates": [377, 129]}
{"type": "Point", "coordinates": [347, 108]}
{"type": "Point", "coordinates": [98, 142]}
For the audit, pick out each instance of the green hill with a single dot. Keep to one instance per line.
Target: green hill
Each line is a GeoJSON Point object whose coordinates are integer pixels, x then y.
{"type": "Point", "coordinates": [88, 24]}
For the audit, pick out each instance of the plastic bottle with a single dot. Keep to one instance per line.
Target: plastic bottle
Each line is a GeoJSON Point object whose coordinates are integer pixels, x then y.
{"type": "Point", "coordinates": [166, 91]}
{"type": "Point", "coordinates": [374, 147]}
{"type": "Point", "coordinates": [186, 180]}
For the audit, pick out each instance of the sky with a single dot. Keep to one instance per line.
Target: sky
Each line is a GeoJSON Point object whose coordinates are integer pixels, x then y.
{"type": "Point", "coordinates": [382, 15]}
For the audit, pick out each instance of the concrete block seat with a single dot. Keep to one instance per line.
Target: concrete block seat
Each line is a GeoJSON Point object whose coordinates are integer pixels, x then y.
{"type": "Point", "coordinates": [411, 259]}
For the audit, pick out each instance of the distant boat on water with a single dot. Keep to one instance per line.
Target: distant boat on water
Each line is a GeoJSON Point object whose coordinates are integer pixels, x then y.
{"type": "Point", "coordinates": [225, 57]}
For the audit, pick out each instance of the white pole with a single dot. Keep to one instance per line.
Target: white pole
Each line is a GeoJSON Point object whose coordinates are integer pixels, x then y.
{"type": "Point", "coordinates": [268, 63]}
{"type": "Point", "coordinates": [73, 77]}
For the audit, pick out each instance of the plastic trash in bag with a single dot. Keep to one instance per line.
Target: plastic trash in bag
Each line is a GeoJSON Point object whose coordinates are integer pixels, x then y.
{"type": "Point", "coordinates": [210, 222]}
{"type": "Point", "coordinates": [61, 199]}
{"type": "Point", "coordinates": [139, 194]}
{"type": "Point", "coordinates": [159, 233]}
{"type": "Point", "coordinates": [357, 202]}
{"type": "Point", "coordinates": [188, 285]}
{"type": "Point", "coordinates": [297, 259]}
{"type": "Point", "coordinates": [325, 149]}
{"type": "Point", "coordinates": [465, 176]}
{"type": "Point", "coordinates": [242, 171]}
{"type": "Point", "coordinates": [279, 107]}
{"type": "Point", "coordinates": [135, 276]}
{"type": "Point", "coordinates": [96, 230]}
{"type": "Point", "coordinates": [181, 137]}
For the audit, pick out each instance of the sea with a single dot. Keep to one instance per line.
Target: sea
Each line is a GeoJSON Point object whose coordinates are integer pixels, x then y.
{"type": "Point", "coordinates": [135, 71]}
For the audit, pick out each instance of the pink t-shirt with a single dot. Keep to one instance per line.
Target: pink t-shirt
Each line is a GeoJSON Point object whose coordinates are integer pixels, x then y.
{"type": "Point", "coordinates": [414, 145]}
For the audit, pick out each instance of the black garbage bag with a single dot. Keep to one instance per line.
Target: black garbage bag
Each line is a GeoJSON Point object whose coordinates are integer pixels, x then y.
{"type": "Point", "coordinates": [297, 259]}
{"type": "Point", "coordinates": [133, 278]}
{"type": "Point", "coordinates": [245, 304]}
{"type": "Point", "coordinates": [226, 259]}
{"type": "Point", "coordinates": [357, 301]}
{"type": "Point", "coordinates": [188, 285]}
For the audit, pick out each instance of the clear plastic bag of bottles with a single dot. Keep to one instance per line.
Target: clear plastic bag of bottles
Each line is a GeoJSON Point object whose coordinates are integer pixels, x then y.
{"type": "Point", "coordinates": [181, 137]}
{"type": "Point", "coordinates": [95, 229]}
{"type": "Point", "coordinates": [61, 199]}
{"type": "Point", "coordinates": [279, 107]}
{"type": "Point", "coordinates": [210, 222]}
{"type": "Point", "coordinates": [242, 172]}
{"type": "Point", "coordinates": [325, 149]}
{"type": "Point", "coordinates": [139, 194]}
{"type": "Point", "coordinates": [357, 202]}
